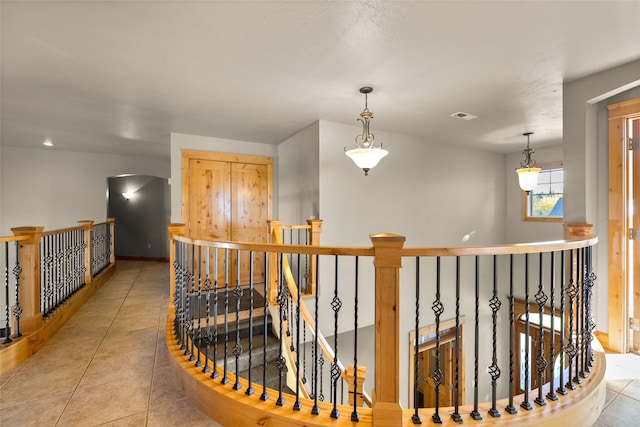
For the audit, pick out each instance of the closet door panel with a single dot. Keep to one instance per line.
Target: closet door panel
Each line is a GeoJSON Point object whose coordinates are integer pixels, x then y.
{"type": "Point", "coordinates": [250, 211]}
{"type": "Point", "coordinates": [209, 200]}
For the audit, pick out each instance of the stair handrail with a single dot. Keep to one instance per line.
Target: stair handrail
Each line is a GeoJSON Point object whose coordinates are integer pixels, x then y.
{"type": "Point", "coordinates": [304, 311]}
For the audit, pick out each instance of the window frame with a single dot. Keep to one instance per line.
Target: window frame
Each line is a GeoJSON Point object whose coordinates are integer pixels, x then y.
{"type": "Point", "coordinates": [525, 196]}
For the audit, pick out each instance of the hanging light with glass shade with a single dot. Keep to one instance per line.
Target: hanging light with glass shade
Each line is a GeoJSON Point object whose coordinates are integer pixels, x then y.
{"type": "Point", "coordinates": [365, 154]}
{"type": "Point", "coordinates": [528, 172]}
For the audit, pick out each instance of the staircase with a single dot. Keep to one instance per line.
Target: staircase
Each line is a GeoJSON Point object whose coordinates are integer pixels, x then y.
{"type": "Point", "coordinates": [261, 353]}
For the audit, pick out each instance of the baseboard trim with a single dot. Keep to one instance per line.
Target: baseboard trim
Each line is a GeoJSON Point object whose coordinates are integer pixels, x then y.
{"type": "Point", "coordinates": [141, 258]}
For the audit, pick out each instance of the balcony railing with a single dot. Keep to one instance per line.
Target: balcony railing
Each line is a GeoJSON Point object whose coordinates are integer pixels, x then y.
{"type": "Point", "coordinates": [47, 276]}
{"type": "Point", "coordinates": [523, 310]}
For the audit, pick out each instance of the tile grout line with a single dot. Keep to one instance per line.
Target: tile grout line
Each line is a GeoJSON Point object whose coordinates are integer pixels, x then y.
{"type": "Point", "coordinates": [96, 350]}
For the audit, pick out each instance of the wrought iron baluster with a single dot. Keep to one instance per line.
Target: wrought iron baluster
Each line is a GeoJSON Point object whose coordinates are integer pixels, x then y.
{"type": "Point", "coordinates": [176, 268]}
{"type": "Point", "coordinates": [578, 335]}
{"type": "Point", "coordinates": [561, 390]}
{"type": "Point", "coordinates": [237, 348]}
{"type": "Point", "coordinates": [184, 299]}
{"type": "Point", "coordinates": [456, 398]}
{"type": "Point", "coordinates": [304, 351]}
{"type": "Point", "coordinates": [571, 292]}
{"type": "Point", "coordinates": [297, 405]}
{"type": "Point", "coordinates": [191, 295]}
{"type": "Point", "coordinates": [214, 371]}
{"type": "Point", "coordinates": [437, 376]}
{"type": "Point", "coordinates": [541, 362]}
{"type": "Point", "coordinates": [208, 286]}
{"type": "Point", "coordinates": [225, 379]}
{"type": "Point", "coordinates": [249, 390]}
{"type": "Point", "coordinates": [527, 336]}
{"type": "Point", "coordinates": [7, 322]}
{"type": "Point", "coordinates": [198, 313]}
{"type": "Point", "coordinates": [416, 343]}
{"type": "Point", "coordinates": [264, 395]}
{"type": "Point", "coordinates": [510, 409]}
{"type": "Point", "coordinates": [355, 416]}
{"type": "Point", "coordinates": [494, 369]}
{"type": "Point", "coordinates": [584, 332]}
{"type": "Point", "coordinates": [579, 317]}
{"type": "Point", "coordinates": [315, 410]}
{"type": "Point", "coordinates": [282, 301]}
{"type": "Point", "coordinates": [335, 370]}
{"type": "Point", "coordinates": [590, 283]}
{"type": "Point", "coordinates": [475, 414]}
{"type": "Point", "coordinates": [17, 310]}
{"type": "Point", "coordinates": [321, 363]}
{"type": "Point", "coordinates": [551, 395]}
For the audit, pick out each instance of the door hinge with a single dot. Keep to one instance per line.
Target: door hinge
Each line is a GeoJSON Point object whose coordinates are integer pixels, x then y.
{"type": "Point", "coordinates": [634, 144]}
{"type": "Point", "coordinates": [634, 234]}
{"type": "Point", "coordinates": [634, 324]}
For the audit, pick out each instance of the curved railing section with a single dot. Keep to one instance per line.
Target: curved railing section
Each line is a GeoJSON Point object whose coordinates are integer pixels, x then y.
{"type": "Point", "coordinates": [510, 323]}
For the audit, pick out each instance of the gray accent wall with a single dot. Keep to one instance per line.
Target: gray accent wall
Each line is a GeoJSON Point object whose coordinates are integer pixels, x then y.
{"type": "Point", "coordinates": [141, 222]}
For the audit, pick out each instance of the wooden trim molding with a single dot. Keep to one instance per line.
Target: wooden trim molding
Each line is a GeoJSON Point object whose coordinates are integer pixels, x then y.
{"type": "Point", "coordinates": [234, 407]}
{"type": "Point", "coordinates": [618, 334]}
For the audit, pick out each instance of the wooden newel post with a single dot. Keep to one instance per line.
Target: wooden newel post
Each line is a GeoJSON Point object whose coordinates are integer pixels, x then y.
{"type": "Point", "coordinates": [386, 393]}
{"type": "Point", "coordinates": [314, 240]}
{"type": "Point", "coordinates": [273, 279]}
{"type": "Point", "coordinates": [112, 240]}
{"type": "Point", "coordinates": [88, 253]}
{"type": "Point", "coordinates": [577, 230]}
{"type": "Point", "coordinates": [29, 278]}
{"type": "Point", "coordinates": [174, 229]}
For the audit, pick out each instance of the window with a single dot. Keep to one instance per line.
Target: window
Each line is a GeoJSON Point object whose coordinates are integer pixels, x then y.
{"type": "Point", "coordinates": [545, 202]}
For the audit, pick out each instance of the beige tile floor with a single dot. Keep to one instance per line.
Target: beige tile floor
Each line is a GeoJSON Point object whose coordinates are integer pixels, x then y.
{"type": "Point", "coordinates": [108, 366]}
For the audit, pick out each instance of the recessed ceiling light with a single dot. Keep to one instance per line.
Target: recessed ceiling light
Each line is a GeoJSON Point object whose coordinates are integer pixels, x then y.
{"type": "Point", "coordinates": [48, 143]}
{"type": "Point", "coordinates": [464, 116]}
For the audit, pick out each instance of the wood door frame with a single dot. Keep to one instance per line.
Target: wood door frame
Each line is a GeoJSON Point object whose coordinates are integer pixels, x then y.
{"type": "Point", "coordinates": [618, 334]}
{"type": "Point", "coordinates": [188, 155]}
{"type": "Point", "coordinates": [424, 332]}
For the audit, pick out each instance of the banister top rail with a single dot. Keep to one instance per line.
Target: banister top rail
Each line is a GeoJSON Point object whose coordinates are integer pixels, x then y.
{"type": "Point", "coordinates": [278, 248]}
{"type": "Point", "coordinates": [60, 231]}
{"type": "Point", "coordinates": [503, 249]}
{"type": "Point", "coordinates": [4, 239]}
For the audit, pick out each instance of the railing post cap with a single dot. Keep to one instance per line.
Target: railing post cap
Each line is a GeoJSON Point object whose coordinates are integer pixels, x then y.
{"type": "Point", "coordinates": [577, 229]}
{"type": "Point", "coordinates": [176, 228]}
{"type": "Point", "coordinates": [34, 231]}
{"type": "Point", "coordinates": [30, 229]}
{"type": "Point", "coordinates": [387, 237]}
{"type": "Point", "coordinates": [85, 222]}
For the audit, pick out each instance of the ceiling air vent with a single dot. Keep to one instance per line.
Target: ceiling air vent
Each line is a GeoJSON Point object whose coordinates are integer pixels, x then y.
{"type": "Point", "coordinates": [464, 116]}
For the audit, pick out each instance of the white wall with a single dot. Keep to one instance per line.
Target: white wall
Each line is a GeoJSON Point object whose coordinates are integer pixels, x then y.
{"type": "Point", "coordinates": [585, 154]}
{"type": "Point", "coordinates": [298, 165]}
{"type": "Point", "coordinates": [181, 142]}
{"type": "Point", "coordinates": [55, 188]}
{"type": "Point", "coordinates": [432, 194]}
{"type": "Point", "coordinates": [517, 230]}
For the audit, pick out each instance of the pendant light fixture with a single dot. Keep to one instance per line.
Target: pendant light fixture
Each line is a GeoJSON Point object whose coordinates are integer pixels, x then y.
{"type": "Point", "coordinates": [365, 154]}
{"type": "Point", "coordinates": [528, 172]}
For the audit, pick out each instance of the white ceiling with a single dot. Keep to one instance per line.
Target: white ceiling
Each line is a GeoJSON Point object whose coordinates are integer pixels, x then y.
{"type": "Point", "coordinates": [119, 76]}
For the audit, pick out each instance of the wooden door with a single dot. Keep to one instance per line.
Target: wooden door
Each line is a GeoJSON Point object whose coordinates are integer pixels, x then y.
{"type": "Point", "coordinates": [249, 213]}
{"type": "Point", "coordinates": [228, 197]}
{"type": "Point", "coordinates": [209, 200]}
{"type": "Point", "coordinates": [633, 209]}
{"type": "Point", "coordinates": [427, 365]}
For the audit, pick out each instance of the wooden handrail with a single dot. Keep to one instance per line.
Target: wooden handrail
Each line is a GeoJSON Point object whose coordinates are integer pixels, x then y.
{"type": "Point", "coordinates": [387, 253]}
{"type": "Point", "coordinates": [308, 318]}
